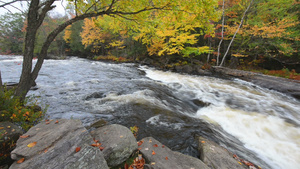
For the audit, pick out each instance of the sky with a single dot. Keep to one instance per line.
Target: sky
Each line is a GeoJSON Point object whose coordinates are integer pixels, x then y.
{"type": "Point", "coordinates": [17, 6]}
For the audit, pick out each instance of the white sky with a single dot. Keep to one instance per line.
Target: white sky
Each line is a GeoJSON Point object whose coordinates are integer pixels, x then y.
{"type": "Point", "coordinates": [59, 9]}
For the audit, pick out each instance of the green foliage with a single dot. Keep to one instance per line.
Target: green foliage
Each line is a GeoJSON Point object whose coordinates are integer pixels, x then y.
{"type": "Point", "coordinates": [11, 109]}
{"type": "Point", "coordinates": [195, 51]}
{"type": "Point", "coordinates": [11, 34]}
{"type": "Point", "coordinates": [134, 130]}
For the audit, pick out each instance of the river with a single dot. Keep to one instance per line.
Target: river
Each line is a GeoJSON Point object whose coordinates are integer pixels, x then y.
{"type": "Point", "coordinates": [255, 123]}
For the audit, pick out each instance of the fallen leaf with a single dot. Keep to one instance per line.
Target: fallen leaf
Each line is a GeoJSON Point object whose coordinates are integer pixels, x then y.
{"type": "Point", "coordinates": [140, 143]}
{"type": "Point", "coordinates": [8, 127]}
{"type": "Point", "coordinates": [46, 150]}
{"type": "Point", "coordinates": [163, 146]}
{"type": "Point", "coordinates": [153, 153]}
{"type": "Point", "coordinates": [96, 144]}
{"type": "Point", "coordinates": [77, 149]}
{"type": "Point", "coordinates": [48, 122]}
{"type": "Point", "coordinates": [96, 141]}
{"type": "Point", "coordinates": [101, 148]}
{"type": "Point", "coordinates": [1, 128]}
{"type": "Point", "coordinates": [202, 141]}
{"type": "Point", "coordinates": [126, 166]}
{"type": "Point", "coordinates": [153, 163]}
{"type": "Point", "coordinates": [121, 136]}
{"type": "Point", "coordinates": [56, 122]}
{"type": "Point", "coordinates": [167, 158]}
{"type": "Point", "coordinates": [24, 136]}
{"type": "Point", "coordinates": [150, 141]}
{"type": "Point", "coordinates": [20, 161]}
{"type": "Point", "coordinates": [155, 145]}
{"type": "Point", "coordinates": [31, 144]}
{"type": "Point", "coordinates": [13, 130]}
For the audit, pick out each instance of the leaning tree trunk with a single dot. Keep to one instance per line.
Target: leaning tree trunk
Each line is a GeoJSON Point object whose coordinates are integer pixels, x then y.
{"type": "Point", "coordinates": [222, 32]}
{"type": "Point", "coordinates": [235, 33]}
{"type": "Point", "coordinates": [35, 18]}
{"type": "Point", "coordinates": [1, 86]}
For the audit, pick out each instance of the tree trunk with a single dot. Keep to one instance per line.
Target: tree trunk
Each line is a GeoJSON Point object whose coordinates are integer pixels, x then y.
{"type": "Point", "coordinates": [32, 26]}
{"type": "Point", "coordinates": [222, 32]}
{"type": "Point", "coordinates": [235, 33]}
{"type": "Point", "coordinates": [1, 86]}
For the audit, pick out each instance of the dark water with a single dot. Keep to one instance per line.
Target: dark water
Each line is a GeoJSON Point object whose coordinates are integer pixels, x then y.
{"type": "Point", "coordinates": [257, 124]}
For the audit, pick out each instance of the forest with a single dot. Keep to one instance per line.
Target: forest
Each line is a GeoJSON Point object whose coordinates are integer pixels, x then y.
{"type": "Point", "coordinates": [256, 35]}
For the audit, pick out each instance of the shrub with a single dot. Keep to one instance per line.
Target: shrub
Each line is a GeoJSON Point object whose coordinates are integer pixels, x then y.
{"type": "Point", "coordinates": [25, 114]}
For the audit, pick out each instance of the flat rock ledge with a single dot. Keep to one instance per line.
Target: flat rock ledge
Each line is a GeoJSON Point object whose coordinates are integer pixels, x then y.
{"type": "Point", "coordinates": [161, 157]}
{"type": "Point", "coordinates": [287, 86]}
{"type": "Point", "coordinates": [63, 143]}
{"type": "Point", "coordinates": [56, 147]}
{"type": "Point", "coordinates": [217, 157]}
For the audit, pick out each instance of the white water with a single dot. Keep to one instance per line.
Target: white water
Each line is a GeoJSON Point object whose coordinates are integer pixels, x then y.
{"type": "Point", "coordinates": [259, 121]}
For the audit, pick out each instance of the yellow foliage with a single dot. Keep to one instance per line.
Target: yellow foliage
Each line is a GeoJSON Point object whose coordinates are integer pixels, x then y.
{"type": "Point", "coordinates": [68, 33]}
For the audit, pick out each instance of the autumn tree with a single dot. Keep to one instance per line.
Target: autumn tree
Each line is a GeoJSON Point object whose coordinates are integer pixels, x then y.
{"type": "Point", "coordinates": [270, 30]}
{"type": "Point", "coordinates": [170, 32]}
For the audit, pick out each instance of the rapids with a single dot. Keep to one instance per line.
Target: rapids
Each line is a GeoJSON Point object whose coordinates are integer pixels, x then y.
{"type": "Point", "coordinates": [255, 123]}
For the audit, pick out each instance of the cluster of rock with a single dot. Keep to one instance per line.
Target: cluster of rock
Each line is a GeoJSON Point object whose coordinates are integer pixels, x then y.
{"type": "Point", "coordinates": [68, 144]}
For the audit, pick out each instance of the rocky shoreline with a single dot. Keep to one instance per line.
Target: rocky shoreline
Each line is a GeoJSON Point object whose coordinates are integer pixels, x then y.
{"type": "Point", "coordinates": [66, 143]}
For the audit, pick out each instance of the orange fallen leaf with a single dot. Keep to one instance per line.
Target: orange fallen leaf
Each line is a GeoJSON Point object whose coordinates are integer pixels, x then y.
{"type": "Point", "coordinates": [126, 166]}
{"type": "Point", "coordinates": [56, 121]}
{"type": "Point", "coordinates": [1, 128]}
{"type": "Point", "coordinates": [155, 145]}
{"type": "Point", "coordinates": [202, 141]}
{"type": "Point", "coordinates": [46, 150]}
{"type": "Point", "coordinates": [163, 146]}
{"type": "Point", "coordinates": [101, 148]}
{"type": "Point", "coordinates": [21, 161]}
{"type": "Point", "coordinates": [48, 122]}
{"type": "Point", "coordinates": [167, 158]}
{"type": "Point", "coordinates": [31, 144]}
{"type": "Point", "coordinates": [96, 144]}
{"type": "Point", "coordinates": [140, 143]}
{"type": "Point", "coordinates": [153, 153]}
{"type": "Point", "coordinates": [77, 149]}
{"type": "Point", "coordinates": [24, 136]}
{"type": "Point", "coordinates": [96, 141]}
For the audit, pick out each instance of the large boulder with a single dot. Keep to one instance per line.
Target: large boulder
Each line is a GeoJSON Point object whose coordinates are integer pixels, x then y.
{"type": "Point", "coordinates": [161, 157]}
{"type": "Point", "coordinates": [58, 144]}
{"type": "Point", "coordinates": [217, 157]}
{"type": "Point", "coordinates": [118, 142]}
{"type": "Point", "coordinates": [9, 134]}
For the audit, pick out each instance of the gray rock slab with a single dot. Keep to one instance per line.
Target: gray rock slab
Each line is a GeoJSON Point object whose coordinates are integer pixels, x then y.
{"type": "Point", "coordinates": [56, 145]}
{"type": "Point", "coordinates": [118, 142]}
{"type": "Point", "coordinates": [217, 157]}
{"type": "Point", "coordinates": [175, 160]}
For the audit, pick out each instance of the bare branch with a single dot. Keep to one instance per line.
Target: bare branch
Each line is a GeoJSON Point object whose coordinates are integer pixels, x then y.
{"type": "Point", "coordinates": [8, 3]}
